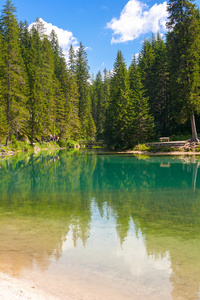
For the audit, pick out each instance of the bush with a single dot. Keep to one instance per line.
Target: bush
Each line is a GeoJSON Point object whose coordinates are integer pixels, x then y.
{"type": "Point", "coordinates": [141, 147]}
{"type": "Point", "coordinates": [62, 143]}
{"type": "Point", "coordinates": [66, 143]}
{"type": "Point", "coordinates": [15, 144]}
{"type": "Point", "coordinates": [180, 137]}
{"type": "Point", "coordinates": [70, 144]}
{"type": "Point", "coordinates": [24, 146]}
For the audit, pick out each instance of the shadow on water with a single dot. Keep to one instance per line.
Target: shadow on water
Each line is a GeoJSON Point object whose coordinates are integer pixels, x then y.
{"type": "Point", "coordinates": [47, 198]}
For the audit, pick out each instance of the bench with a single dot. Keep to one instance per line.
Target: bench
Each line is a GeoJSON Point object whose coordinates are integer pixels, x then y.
{"type": "Point", "coordinates": [164, 139]}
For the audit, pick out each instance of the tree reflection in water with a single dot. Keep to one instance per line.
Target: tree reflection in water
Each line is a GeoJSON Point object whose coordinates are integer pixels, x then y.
{"type": "Point", "coordinates": [46, 197]}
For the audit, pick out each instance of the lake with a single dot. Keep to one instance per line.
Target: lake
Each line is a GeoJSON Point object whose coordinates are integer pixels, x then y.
{"type": "Point", "coordinates": [91, 225]}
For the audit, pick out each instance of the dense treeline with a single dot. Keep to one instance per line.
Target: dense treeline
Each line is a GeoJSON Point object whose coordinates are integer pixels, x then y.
{"type": "Point", "coordinates": [42, 95]}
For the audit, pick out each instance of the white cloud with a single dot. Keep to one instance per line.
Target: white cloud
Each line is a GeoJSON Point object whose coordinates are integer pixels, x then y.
{"type": "Point", "coordinates": [136, 19]}
{"type": "Point", "coordinates": [88, 48]}
{"type": "Point", "coordinates": [65, 37]}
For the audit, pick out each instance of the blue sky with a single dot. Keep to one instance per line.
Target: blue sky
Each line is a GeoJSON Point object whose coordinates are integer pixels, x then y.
{"type": "Point", "coordinates": [103, 26]}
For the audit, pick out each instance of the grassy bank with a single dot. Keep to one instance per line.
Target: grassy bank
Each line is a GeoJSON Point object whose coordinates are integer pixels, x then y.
{"type": "Point", "coordinates": [167, 148]}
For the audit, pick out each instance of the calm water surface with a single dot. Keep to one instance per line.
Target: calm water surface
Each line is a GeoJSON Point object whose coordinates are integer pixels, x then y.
{"type": "Point", "coordinates": [99, 226]}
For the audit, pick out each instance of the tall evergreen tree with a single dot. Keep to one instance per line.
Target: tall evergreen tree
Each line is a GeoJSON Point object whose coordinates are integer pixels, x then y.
{"type": "Point", "coordinates": [142, 126]}
{"type": "Point", "coordinates": [57, 53]}
{"type": "Point", "coordinates": [73, 97]}
{"type": "Point", "coordinates": [36, 96]}
{"type": "Point", "coordinates": [106, 92]}
{"type": "Point", "coordinates": [117, 121]}
{"type": "Point", "coordinates": [106, 87]}
{"type": "Point", "coordinates": [82, 74]}
{"type": "Point", "coordinates": [14, 83]}
{"type": "Point", "coordinates": [160, 104]}
{"type": "Point", "coordinates": [47, 81]}
{"type": "Point", "coordinates": [146, 64]}
{"type": "Point", "coordinates": [183, 41]}
{"type": "Point", "coordinates": [59, 105]}
{"type": "Point", "coordinates": [98, 105]}
{"type": "Point", "coordinates": [153, 65]}
{"type": "Point", "coordinates": [65, 82]}
{"type": "Point", "coordinates": [72, 60]}
{"type": "Point", "coordinates": [3, 120]}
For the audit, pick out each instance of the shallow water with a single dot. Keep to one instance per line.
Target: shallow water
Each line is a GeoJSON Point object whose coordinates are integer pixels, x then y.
{"type": "Point", "coordinates": [102, 226]}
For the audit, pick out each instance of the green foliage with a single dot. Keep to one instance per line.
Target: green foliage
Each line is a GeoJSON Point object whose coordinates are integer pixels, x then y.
{"type": "Point", "coordinates": [73, 96]}
{"type": "Point", "coordinates": [183, 42]}
{"type": "Point", "coordinates": [118, 120]}
{"type": "Point", "coordinates": [82, 76]}
{"type": "Point", "coordinates": [98, 105]}
{"type": "Point", "coordinates": [18, 145]}
{"type": "Point", "coordinates": [24, 146]}
{"type": "Point", "coordinates": [155, 148]}
{"type": "Point", "coordinates": [180, 137]}
{"type": "Point", "coordinates": [141, 147]}
{"type": "Point", "coordinates": [14, 79]}
{"type": "Point", "coordinates": [3, 123]}
{"type": "Point", "coordinates": [66, 143]}
{"type": "Point", "coordinates": [142, 127]}
{"type": "Point", "coordinates": [41, 95]}
{"type": "Point", "coordinates": [15, 144]}
{"type": "Point", "coordinates": [198, 148]}
{"type": "Point", "coordinates": [62, 143]}
{"type": "Point", "coordinates": [70, 144]}
{"type": "Point", "coordinates": [153, 64]}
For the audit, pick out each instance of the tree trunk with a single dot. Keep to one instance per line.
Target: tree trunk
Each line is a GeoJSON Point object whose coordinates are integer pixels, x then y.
{"type": "Point", "coordinates": [194, 130]}
{"type": "Point", "coordinates": [194, 177]}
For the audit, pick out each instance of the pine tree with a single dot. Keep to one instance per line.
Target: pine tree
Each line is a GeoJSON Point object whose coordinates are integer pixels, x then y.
{"type": "Point", "coordinates": [106, 92]}
{"type": "Point", "coordinates": [3, 120]}
{"type": "Point", "coordinates": [13, 81]}
{"type": "Point", "coordinates": [72, 60]}
{"type": "Point", "coordinates": [73, 97]}
{"type": "Point", "coordinates": [160, 104]}
{"type": "Point", "coordinates": [57, 53]}
{"type": "Point", "coordinates": [65, 82]}
{"type": "Point", "coordinates": [146, 64]}
{"type": "Point", "coordinates": [59, 109]}
{"type": "Point", "coordinates": [58, 117]}
{"type": "Point", "coordinates": [98, 105]}
{"type": "Point", "coordinates": [183, 41]}
{"type": "Point", "coordinates": [142, 127]}
{"type": "Point", "coordinates": [36, 96]}
{"type": "Point", "coordinates": [93, 98]}
{"type": "Point", "coordinates": [82, 75]}
{"type": "Point", "coordinates": [47, 81]}
{"type": "Point", "coordinates": [117, 120]}
{"type": "Point", "coordinates": [24, 40]}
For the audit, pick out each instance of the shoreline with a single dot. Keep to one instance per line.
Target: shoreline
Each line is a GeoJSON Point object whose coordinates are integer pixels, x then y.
{"type": "Point", "coordinates": [172, 153]}
{"type": "Point", "coordinates": [13, 288]}
{"type": "Point", "coordinates": [11, 152]}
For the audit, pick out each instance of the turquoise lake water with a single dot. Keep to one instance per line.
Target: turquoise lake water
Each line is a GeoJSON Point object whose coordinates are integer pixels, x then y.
{"type": "Point", "coordinates": [102, 225]}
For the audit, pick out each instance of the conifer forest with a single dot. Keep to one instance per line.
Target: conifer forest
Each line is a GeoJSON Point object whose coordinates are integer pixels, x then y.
{"type": "Point", "coordinates": [43, 95]}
